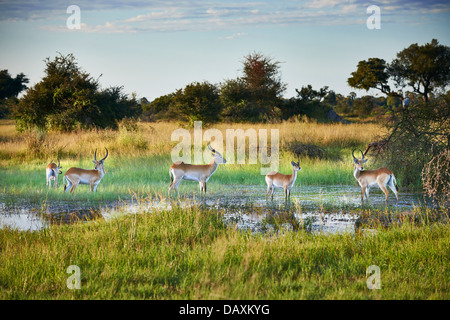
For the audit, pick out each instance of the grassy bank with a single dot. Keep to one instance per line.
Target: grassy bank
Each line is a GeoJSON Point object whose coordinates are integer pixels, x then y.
{"type": "Point", "coordinates": [191, 254]}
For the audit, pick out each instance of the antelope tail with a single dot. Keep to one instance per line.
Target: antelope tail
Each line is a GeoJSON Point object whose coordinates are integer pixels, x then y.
{"type": "Point", "coordinates": [395, 182]}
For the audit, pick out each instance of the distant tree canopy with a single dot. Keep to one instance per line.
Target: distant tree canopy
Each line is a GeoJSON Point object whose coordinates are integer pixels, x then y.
{"type": "Point", "coordinates": [255, 96]}
{"type": "Point", "coordinates": [68, 98]}
{"type": "Point", "coordinates": [424, 68]}
{"type": "Point", "coordinates": [9, 90]}
{"type": "Point", "coordinates": [11, 87]}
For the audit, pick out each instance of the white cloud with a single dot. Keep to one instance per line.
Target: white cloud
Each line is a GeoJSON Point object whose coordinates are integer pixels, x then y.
{"type": "Point", "coordinates": [160, 16]}
{"type": "Point", "coordinates": [236, 35]}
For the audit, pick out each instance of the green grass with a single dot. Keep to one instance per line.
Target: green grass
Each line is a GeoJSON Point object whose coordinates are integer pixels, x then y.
{"type": "Point", "coordinates": [190, 254]}
{"type": "Point", "coordinates": [126, 176]}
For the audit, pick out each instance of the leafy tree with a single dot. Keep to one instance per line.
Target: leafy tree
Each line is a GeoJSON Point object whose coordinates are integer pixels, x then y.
{"type": "Point", "coordinates": [9, 90]}
{"type": "Point", "coordinates": [423, 68]}
{"type": "Point", "coordinates": [198, 102]}
{"type": "Point", "coordinates": [331, 98]}
{"type": "Point", "coordinates": [261, 76]}
{"type": "Point", "coordinates": [308, 94]}
{"type": "Point", "coordinates": [160, 108]}
{"type": "Point", "coordinates": [371, 74]}
{"type": "Point", "coordinates": [237, 102]}
{"type": "Point", "coordinates": [68, 97]}
{"type": "Point", "coordinates": [308, 102]}
{"type": "Point", "coordinates": [363, 106]}
{"type": "Point", "coordinates": [11, 87]}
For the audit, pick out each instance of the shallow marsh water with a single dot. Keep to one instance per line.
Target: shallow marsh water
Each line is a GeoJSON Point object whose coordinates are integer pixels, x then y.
{"type": "Point", "coordinates": [325, 209]}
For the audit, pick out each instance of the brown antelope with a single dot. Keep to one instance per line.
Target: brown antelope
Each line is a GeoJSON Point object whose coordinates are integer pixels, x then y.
{"type": "Point", "coordinates": [52, 172]}
{"type": "Point", "coordinates": [76, 176]}
{"type": "Point", "coordinates": [285, 181]}
{"type": "Point", "coordinates": [381, 177]}
{"type": "Point", "coordinates": [194, 172]}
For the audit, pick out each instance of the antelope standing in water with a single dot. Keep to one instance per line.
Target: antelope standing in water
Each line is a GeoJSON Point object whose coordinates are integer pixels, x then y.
{"type": "Point", "coordinates": [194, 172]}
{"type": "Point", "coordinates": [52, 172]}
{"type": "Point", "coordinates": [285, 181]}
{"type": "Point", "coordinates": [381, 177]}
{"type": "Point", "coordinates": [76, 176]}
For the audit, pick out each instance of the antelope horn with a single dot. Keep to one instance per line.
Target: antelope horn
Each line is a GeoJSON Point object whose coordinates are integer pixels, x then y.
{"type": "Point", "coordinates": [59, 164]}
{"type": "Point", "coordinates": [95, 155]}
{"type": "Point", "coordinates": [106, 155]}
{"type": "Point", "coordinates": [353, 154]}
{"type": "Point", "coordinates": [211, 148]}
{"type": "Point", "coordinates": [362, 153]}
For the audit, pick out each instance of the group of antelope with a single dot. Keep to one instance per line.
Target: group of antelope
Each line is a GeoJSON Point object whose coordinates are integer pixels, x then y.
{"type": "Point", "coordinates": [381, 177]}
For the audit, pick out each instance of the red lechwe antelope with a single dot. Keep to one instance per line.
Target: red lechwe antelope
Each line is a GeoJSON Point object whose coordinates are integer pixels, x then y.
{"type": "Point", "coordinates": [51, 172]}
{"type": "Point", "coordinates": [76, 176]}
{"type": "Point", "coordinates": [370, 178]}
{"type": "Point", "coordinates": [194, 172]}
{"type": "Point", "coordinates": [285, 181]}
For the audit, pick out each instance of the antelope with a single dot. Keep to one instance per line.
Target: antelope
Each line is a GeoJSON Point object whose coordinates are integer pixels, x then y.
{"type": "Point", "coordinates": [370, 178]}
{"type": "Point", "coordinates": [194, 172]}
{"type": "Point", "coordinates": [76, 176]}
{"type": "Point", "coordinates": [52, 172]}
{"type": "Point", "coordinates": [285, 181]}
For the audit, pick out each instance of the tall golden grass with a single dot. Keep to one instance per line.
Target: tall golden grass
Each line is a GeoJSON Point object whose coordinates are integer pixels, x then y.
{"type": "Point", "coordinates": [147, 139]}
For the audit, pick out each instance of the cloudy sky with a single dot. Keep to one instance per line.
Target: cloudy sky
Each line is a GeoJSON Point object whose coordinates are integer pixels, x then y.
{"type": "Point", "coordinates": [154, 47]}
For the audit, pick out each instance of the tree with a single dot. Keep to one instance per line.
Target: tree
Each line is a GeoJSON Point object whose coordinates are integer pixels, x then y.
{"type": "Point", "coordinates": [237, 102]}
{"type": "Point", "coordinates": [160, 108]}
{"type": "Point", "coordinates": [261, 76]}
{"type": "Point", "coordinates": [198, 102]}
{"type": "Point", "coordinates": [424, 68]}
{"type": "Point", "coordinates": [308, 94]}
{"type": "Point", "coordinates": [9, 90]}
{"type": "Point", "coordinates": [371, 74]}
{"type": "Point", "coordinates": [11, 87]}
{"type": "Point", "coordinates": [68, 97]}
{"type": "Point", "coordinates": [363, 106]}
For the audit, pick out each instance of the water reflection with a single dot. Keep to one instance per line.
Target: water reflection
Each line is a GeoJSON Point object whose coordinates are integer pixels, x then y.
{"type": "Point", "coordinates": [315, 209]}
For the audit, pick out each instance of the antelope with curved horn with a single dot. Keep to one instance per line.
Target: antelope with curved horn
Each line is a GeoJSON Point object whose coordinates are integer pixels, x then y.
{"type": "Point", "coordinates": [194, 172]}
{"type": "Point", "coordinates": [76, 176]}
{"type": "Point", "coordinates": [285, 181]}
{"type": "Point", "coordinates": [381, 177]}
{"type": "Point", "coordinates": [52, 172]}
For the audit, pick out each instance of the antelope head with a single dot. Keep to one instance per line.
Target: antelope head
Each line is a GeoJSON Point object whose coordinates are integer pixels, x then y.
{"type": "Point", "coordinates": [99, 163]}
{"type": "Point", "coordinates": [218, 158]}
{"type": "Point", "coordinates": [359, 162]}
{"type": "Point", "coordinates": [296, 165]}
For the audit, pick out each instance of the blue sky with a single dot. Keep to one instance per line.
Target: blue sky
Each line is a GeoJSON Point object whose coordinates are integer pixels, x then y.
{"type": "Point", "coordinates": [153, 48]}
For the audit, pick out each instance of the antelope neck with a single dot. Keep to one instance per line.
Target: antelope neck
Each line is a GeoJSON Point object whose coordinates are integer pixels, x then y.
{"type": "Point", "coordinates": [213, 166]}
{"type": "Point", "coordinates": [356, 173]}
{"type": "Point", "coordinates": [293, 175]}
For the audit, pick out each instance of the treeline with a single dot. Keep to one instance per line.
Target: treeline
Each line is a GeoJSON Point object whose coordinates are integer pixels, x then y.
{"type": "Point", "coordinates": [68, 98]}
{"type": "Point", "coordinates": [256, 96]}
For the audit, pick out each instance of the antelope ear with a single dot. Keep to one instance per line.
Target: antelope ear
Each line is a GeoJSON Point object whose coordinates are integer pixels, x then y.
{"type": "Point", "coordinates": [365, 160]}
{"type": "Point", "coordinates": [355, 161]}
{"type": "Point", "coordinates": [293, 163]}
{"type": "Point", "coordinates": [94, 162]}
